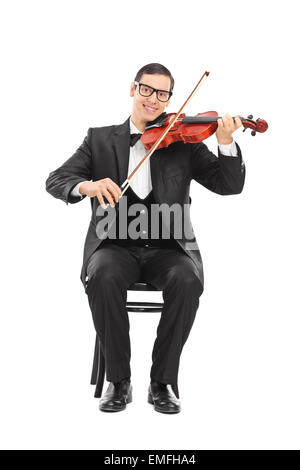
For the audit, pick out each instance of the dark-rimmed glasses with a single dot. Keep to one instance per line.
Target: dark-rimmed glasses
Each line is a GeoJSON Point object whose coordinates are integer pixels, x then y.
{"type": "Point", "coordinates": [146, 90]}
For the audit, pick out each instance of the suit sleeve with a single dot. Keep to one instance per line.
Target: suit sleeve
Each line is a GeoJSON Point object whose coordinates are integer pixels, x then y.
{"type": "Point", "coordinates": [76, 169]}
{"type": "Point", "coordinates": [223, 174]}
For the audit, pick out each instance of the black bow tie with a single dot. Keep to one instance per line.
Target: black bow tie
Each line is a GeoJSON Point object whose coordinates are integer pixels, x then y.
{"type": "Point", "coordinates": [134, 138]}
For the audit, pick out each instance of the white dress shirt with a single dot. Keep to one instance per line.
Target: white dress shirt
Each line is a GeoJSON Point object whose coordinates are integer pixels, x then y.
{"type": "Point", "coordinates": [141, 182]}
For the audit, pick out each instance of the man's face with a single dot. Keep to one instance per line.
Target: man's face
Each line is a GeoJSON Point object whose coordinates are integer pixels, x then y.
{"type": "Point", "coordinates": [148, 108]}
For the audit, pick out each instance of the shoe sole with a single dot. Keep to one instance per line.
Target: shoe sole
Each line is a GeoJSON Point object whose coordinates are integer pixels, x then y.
{"type": "Point", "coordinates": [114, 409]}
{"type": "Point", "coordinates": [159, 409]}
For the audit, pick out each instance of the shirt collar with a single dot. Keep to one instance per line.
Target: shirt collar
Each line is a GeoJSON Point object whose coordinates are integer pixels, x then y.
{"type": "Point", "coordinates": [133, 129]}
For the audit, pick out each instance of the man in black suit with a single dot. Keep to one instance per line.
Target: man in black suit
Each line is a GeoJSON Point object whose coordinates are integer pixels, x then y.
{"type": "Point", "coordinates": [161, 250]}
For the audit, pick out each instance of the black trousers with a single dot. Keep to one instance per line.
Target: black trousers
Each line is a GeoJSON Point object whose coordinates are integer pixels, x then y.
{"type": "Point", "coordinates": [111, 270]}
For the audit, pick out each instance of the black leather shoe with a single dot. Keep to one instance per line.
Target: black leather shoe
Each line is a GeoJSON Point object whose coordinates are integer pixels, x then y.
{"type": "Point", "coordinates": [162, 399]}
{"type": "Point", "coordinates": [116, 396]}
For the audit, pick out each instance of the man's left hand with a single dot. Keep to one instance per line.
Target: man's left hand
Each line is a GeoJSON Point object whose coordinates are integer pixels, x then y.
{"type": "Point", "coordinates": [226, 127]}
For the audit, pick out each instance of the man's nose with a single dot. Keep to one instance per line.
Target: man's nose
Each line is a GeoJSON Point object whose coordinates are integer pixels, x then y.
{"type": "Point", "coordinates": [153, 98]}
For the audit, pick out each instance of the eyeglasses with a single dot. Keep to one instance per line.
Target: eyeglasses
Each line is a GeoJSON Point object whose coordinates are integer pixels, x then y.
{"type": "Point", "coordinates": [146, 90]}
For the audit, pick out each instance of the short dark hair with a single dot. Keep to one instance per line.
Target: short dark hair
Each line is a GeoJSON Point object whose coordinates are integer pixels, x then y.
{"type": "Point", "coordinates": [151, 69]}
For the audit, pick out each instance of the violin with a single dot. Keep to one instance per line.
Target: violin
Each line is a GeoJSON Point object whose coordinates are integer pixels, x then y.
{"type": "Point", "coordinates": [191, 128]}
{"type": "Point", "coordinates": [174, 127]}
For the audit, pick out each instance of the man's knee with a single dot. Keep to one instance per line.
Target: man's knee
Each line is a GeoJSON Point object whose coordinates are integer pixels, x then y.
{"type": "Point", "coordinates": [191, 284]}
{"type": "Point", "coordinates": [102, 272]}
{"type": "Point", "coordinates": [185, 280]}
{"type": "Point", "coordinates": [106, 277]}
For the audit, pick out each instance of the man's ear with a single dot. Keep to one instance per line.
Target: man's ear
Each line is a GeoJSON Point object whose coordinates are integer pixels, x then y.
{"type": "Point", "coordinates": [132, 90]}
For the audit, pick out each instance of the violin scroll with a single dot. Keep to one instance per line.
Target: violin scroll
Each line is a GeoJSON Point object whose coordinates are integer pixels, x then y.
{"type": "Point", "coordinates": [260, 125]}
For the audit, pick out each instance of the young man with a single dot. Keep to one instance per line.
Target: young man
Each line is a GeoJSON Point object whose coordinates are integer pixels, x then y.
{"type": "Point", "coordinates": [173, 264]}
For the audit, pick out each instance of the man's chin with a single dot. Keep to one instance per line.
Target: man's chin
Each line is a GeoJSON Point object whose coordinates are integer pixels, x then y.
{"type": "Point", "coordinates": [154, 117]}
{"type": "Point", "coordinates": [150, 117]}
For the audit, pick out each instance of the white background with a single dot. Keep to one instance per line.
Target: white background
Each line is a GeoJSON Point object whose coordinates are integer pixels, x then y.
{"type": "Point", "coordinates": [67, 66]}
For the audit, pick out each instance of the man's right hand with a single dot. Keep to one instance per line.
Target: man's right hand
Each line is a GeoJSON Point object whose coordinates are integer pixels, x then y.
{"type": "Point", "coordinates": [105, 187]}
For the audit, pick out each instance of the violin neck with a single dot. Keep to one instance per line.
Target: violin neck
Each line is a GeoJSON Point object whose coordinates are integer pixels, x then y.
{"type": "Point", "coordinates": [202, 119]}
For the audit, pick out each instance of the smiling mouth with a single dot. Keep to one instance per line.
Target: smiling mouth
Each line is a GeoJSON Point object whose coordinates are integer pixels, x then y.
{"type": "Point", "coordinates": [149, 109]}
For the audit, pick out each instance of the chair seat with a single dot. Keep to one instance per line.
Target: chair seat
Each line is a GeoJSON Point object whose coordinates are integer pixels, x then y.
{"type": "Point", "coordinates": [142, 286]}
{"type": "Point", "coordinates": [143, 306]}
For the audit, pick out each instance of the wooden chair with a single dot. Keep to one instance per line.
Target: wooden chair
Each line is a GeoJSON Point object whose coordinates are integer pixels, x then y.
{"type": "Point", "coordinates": [98, 370]}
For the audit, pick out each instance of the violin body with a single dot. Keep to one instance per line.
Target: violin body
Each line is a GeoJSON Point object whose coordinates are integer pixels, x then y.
{"type": "Point", "coordinates": [190, 128]}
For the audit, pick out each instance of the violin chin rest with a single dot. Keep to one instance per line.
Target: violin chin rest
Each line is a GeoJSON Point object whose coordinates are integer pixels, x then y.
{"type": "Point", "coordinates": [156, 122]}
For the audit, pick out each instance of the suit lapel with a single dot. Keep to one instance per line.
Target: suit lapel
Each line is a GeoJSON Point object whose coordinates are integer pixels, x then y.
{"type": "Point", "coordinates": [121, 145]}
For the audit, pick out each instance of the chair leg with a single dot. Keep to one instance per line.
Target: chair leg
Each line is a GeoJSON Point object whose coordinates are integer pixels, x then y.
{"type": "Point", "coordinates": [95, 362]}
{"type": "Point", "coordinates": [101, 373]}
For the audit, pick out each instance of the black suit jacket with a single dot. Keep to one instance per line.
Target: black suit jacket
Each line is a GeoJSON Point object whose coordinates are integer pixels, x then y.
{"type": "Point", "coordinates": [105, 153]}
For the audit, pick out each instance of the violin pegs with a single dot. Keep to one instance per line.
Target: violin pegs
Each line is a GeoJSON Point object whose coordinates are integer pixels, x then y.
{"type": "Point", "coordinates": [253, 133]}
{"type": "Point", "coordinates": [250, 116]}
